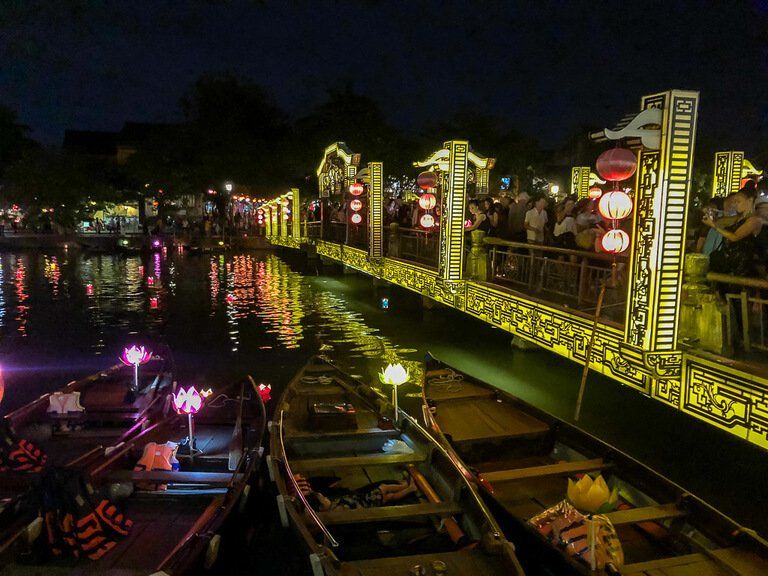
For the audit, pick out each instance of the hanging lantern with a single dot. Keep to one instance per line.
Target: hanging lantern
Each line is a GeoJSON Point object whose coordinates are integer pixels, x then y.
{"type": "Point", "coordinates": [356, 188]}
{"type": "Point", "coordinates": [615, 241]}
{"type": "Point", "coordinates": [427, 201]}
{"type": "Point", "coordinates": [356, 218]}
{"type": "Point", "coordinates": [595, 192]}
{"type": "Point", "coordinates": [356, 205]}
{"type": "Point", "coordinates": [426, 180]}
{"type": "Point", "coordinates": [616, 164]}
{"type": "Point", "coordinates": [615, 205]}
{"type": "Point", "coordinates": [427, 221]}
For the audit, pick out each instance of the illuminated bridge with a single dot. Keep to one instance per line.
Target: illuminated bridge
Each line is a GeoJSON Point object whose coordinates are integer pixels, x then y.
{"type": "Point", "coordinates": [666, 336]}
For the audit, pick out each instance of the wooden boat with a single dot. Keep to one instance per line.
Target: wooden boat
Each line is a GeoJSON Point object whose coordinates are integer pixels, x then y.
{"type": "Point", "coordinates": [331, 424]}
{"type": "Point", "coordinates": [176, 518]}
{"type": "Point", "coordinates": [522, 459]}
{"type": "Point", "coordinates": [108, 411]}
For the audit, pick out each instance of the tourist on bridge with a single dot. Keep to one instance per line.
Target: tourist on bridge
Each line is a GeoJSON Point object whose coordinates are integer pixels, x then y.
{"type": "Point", "coordinates": [737, 254]}
{"type": "Point", "coordinates": [516, 217]}
{"type": "Point", "coordinates": [479, 219]}
{"type": "Point", "coordinates": [536, 221]}
{"type": "Point", "coordinates": [565, 225]}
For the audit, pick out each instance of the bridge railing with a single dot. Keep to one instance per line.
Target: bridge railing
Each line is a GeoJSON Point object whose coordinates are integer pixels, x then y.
{"type": "Point", "coordinates": [412, 244]}
{"type": "Point", "coordinates": [565, 278]}
{"type": "Point", "coordinates": [746, 311]}
{"type": "Point", "coordinates": [311, 229]}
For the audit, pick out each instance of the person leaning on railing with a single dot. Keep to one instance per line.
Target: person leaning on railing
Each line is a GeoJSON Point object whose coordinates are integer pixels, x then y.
{"type": "Point", "coordinates": [738, 254]}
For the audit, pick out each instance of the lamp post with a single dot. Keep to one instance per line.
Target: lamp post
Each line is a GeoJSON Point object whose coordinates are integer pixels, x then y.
{"type": "Point", "coordinates": [135, 356]}
{"type": "Point", "coordinates": [395, 375]}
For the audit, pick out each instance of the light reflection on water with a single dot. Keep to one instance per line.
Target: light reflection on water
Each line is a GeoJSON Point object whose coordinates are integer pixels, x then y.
{"type": "Point", "coordinates": [227, 312]}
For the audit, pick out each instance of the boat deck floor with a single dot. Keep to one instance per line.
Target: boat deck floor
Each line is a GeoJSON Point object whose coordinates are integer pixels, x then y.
{"type": "Point", "coordinates": [157, 527]}
{"type": "Point", "coordinates": [461, 562]}
{"type": "Point", "coordinates": [484, 418]}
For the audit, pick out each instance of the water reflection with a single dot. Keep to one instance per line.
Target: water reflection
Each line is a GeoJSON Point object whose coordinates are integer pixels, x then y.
{"type": "Point", "coordinates": [21, 297]}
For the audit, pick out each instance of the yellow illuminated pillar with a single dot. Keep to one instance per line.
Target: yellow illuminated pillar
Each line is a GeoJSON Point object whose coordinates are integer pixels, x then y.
{"type": "Point", "coordinates": [727, 177]}
{"type": "Point", "coordinates": [659, 220]}
{"type": "Point", "coordinates": [482, 180]}
{"type": "Point", "coordinates": [376, 210]}
{"type": "Point", "coordinates": [580, 181]}
{"type": "Point", "coordinates": [268, 220]}
{"type": "Point", "coordinates": [275, 218]}
{"type": "Point", "coordinates": [295, 214]}
{"type": "Point", "coordinates": [283, 203]}
{"type": "Point", "coordinates": [453, 204]}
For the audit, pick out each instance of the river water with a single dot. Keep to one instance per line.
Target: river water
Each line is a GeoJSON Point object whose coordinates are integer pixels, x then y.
{"type": "Point", "coordinates": [65, 314]}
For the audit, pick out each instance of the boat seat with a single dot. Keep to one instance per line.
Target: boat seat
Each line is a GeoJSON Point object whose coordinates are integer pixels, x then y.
{"type": "Point", "coordinates": [559, 469]}
{"type": "Point", "coordinates": [693, 563]}
{"type": "Point", "coordinates": [646, 514]}
{"type": "Point", "coordinates": [174, 476]}
{"type": "Point", "coordinates": [378, 459]}
{"type": "Point", "coordinates": [389, 513]}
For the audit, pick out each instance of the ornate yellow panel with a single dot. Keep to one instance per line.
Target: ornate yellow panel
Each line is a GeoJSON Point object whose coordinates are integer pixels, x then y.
{"type": "Point", "coordinates": [580, 181]}
{"type": "Point", "coordinates": [728, 169]}
{"type": "Point", "coordinates": [726, 398]}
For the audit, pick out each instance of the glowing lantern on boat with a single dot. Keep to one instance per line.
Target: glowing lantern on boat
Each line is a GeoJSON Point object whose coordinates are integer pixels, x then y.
{"type": "Point", "coordinates": [207, 392]}
{"type": "Point", "coordinates": [427, 221]}
{"type": "Point", "coordinates": [616, 164]}
{"type": "Point", "coordinates": [265, 391]}
{"type": "Point", "coordinates": [356, 218]}
{"type": "Point", "coordinates": [592, 496]}
{"type": "Point", "coordinates": [2, 385]}
{"type": "Point", "coordinates": [356, 188]}
{"type": "Point", "coordinates": [188, 402]}
{"type": "Point", "coordinates": [427, 201]}
{"type": "Point", "coordinates": [426, 180]}
{"type": "Point", "coordinates": [595, 192]}
{"type": "Point", "coordinates": [135, 356]}
{"type": "Point", "coordinates": [356, 205]}
{"type": "Point", "coordinates": [615, 205]}
{"type": "Point", "coordinates": [153, 303]}
{"type": "Point", "coordinates": [394, 375]}
{"type": "Point", "coordinates": [150, 280]}
{"type": "Point", "coordinates": [615, 241]}
{"type": "Point", "coordinates": [89, 289]}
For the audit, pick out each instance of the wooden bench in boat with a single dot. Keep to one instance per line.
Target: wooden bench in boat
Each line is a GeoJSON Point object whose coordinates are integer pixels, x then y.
{"type": "Point", "coordinates": [379, 459]}
{"type": "Point", "coordinates": [174, 476]}
{"type": "Point", "coordinates": [485, 419]}
{"type": "Point", "coordinates": [646, 514]}
{"type": "Point", "coordinates": [559, 469]}
{"type": "Point", "coordinates": [389, 513]}
{"type": "Point", "coordinates": [292, 433]}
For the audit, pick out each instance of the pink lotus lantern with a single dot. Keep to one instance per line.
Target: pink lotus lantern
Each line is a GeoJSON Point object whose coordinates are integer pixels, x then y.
{"type": "Point", "coordinates": [135, 356]}
{"type": "Point", "coordinates": [188, 402]}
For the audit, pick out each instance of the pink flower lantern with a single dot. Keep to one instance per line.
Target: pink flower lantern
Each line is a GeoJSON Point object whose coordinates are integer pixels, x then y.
{"type": "Point", "coordinates": [188, 402]}
{"type": "Point", "coordinates": [135, 356]}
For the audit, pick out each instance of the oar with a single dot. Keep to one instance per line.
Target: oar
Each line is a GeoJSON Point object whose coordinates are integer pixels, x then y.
{"type": "Point", "coordinates": [236, 443]}
{"type": "Point", "coordinates": [583, 385]}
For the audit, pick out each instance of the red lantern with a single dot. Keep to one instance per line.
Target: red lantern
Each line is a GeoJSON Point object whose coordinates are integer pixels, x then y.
{"type": "Point", "coordinates": [616, 164]}
{"type": "Point", "coordinates": [595, 192]}
{"type": "Point", "coordinates": [356, 188]}
{"type": "Point", "coordinates": [356, 205]}
{"type": "Point", "coordinates": [427, 201]}
{"type": "Point", "coordinates": [356, 218]}
{"type": "Point", "coordinates": [426, 180]}
{"type": "Point", "coordinates": [427, 221]}
{"type": "Point", "coordinates": [615, 205]}
{"type": "Point", "coordinates": [615, 241]}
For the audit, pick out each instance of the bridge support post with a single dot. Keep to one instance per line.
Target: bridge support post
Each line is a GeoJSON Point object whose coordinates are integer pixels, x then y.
{"type": "Point", "coordinates": [453, 203]}
{"type": "Point", "coordinates": [393, 246]}
{"type": "Point", "coordinates": [295, 214]}
{"type": "Point", "coordinates": [477, 261]}
{"type": "Point", "coordinates": [376, 210]}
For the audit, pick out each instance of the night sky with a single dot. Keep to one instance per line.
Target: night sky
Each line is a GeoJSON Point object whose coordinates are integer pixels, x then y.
{"type": "Point", "coordinates": [545, 68]}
